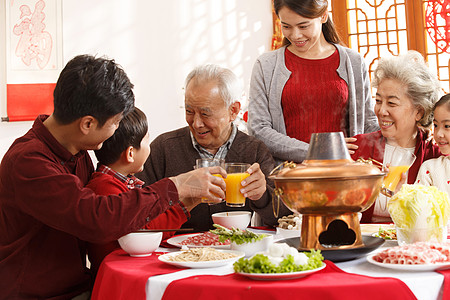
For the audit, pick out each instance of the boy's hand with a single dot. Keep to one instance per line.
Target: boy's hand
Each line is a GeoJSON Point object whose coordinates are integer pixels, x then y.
{"type": "Point", "coordinates": [200, 183]}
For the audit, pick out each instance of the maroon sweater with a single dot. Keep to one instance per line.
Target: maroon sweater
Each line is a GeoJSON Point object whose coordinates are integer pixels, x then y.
{"type": "Point", "coordinates": [46, 213]}
{"type": "Point", "coordinates": [371, 145]}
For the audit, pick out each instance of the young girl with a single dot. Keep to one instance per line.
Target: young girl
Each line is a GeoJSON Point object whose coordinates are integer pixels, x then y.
{"type": "Point", "coordinates": [437, 171]}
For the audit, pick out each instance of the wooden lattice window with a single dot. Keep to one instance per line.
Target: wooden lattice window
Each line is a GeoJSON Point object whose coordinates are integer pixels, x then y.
{"type": "Point", "coordinates": [376, 28]}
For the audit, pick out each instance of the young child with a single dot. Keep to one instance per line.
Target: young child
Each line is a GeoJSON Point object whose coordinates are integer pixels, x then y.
{"type": "Point", "coordinates": [437, 171]}
{"type": "Point", "coordinates": [120, 157]}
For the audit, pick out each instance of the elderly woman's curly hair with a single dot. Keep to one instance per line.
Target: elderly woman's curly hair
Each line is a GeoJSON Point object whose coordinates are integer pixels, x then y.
{"type": "Point", "coordinates": [422, 86]}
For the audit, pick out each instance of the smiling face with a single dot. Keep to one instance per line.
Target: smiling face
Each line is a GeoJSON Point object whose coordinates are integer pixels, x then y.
{"type": "Point", "coordinates": [442, 128]}
{"type": "Point", "coordinates": [207, 114]}
{"type": "Point", "coordinates": [304, 34]}
{"type": "Point", "coordinates": [397, 116]}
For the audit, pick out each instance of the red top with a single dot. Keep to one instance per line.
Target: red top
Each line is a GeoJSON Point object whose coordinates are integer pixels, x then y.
{"type": "Point", "coordinates": [107, 184]}
{"type": "Point", "coordinates": [314, 98]}
{"type": "Point", "coordinates": [371, 145]}
{"type": "Point", "coordinates": [46, 213]}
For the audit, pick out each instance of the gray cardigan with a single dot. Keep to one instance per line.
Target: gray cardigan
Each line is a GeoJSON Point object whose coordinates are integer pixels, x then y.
{"type": "Point", "coordinates": [266, 121]}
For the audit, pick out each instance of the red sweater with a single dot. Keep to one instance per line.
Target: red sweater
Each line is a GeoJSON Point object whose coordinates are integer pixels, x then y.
{"type": "Point", "coordinates": [314, 98]}
{"type": "Point", "coordinates": [105, 184]}
{"type": "Point", "coordinates": [371, 145]}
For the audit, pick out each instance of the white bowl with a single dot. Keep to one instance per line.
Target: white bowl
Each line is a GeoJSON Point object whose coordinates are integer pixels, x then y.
{"type": "Point", "coordinates": [284, 233]}
{"type": "Point", "coordinates": [236, 219]}
{"type": "Point", "coordinates": [251, 249]}
{"type": "Point", "coordinates": [411, 236]}
{"type": "Point", "coordinates": [140, 244]}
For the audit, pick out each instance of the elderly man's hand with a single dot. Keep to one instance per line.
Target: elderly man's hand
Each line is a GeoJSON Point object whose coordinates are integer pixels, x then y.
{"type": "Point", "coordinates": [254, 186]}
{"type": "Point", "coordinates": [200, 183]}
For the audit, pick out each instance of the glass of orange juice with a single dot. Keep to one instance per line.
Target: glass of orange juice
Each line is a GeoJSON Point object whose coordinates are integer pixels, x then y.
{"type": "Point", "coordinates": [209, 162]}
{"type": "Point", "coordinates": [400, 161]}
{"type": "Point", "coordinates": [236, 172]}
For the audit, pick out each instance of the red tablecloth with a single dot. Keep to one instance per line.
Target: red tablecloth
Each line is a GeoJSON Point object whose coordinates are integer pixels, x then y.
{"type": "Point", "coordinates": [124, 277]}
{"type": "Point", "coordinates": [330, 283]}
{"type": "Point", "coordinates": [446, 284]}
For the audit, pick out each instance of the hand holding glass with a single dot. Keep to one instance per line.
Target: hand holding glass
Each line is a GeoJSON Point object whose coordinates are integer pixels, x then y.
{"type": "Point", "coordinates": [209, 162]}
{"type": "Point", "coordinates": [236, 172]}
{"type": "Point", "coordinates": [399, 163]}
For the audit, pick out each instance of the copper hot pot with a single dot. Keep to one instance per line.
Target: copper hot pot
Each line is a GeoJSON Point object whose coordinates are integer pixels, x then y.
{"type": "Point", "coordinates": [328, 185]}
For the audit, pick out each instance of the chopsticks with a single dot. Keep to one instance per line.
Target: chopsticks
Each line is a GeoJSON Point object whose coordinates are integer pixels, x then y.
{"type": "Point", "coordinates": [163, 230]}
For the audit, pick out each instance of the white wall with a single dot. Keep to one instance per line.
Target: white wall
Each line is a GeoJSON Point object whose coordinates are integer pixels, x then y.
{"type": "Point", "coordinates": [158, 43]}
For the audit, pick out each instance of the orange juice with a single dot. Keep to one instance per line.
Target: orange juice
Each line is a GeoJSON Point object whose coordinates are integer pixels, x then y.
{"type": "Point", "coordinates": [233, 194]}
{"type": "Point", "coordinates": [393, 177]}
{"type": "Point", "coordinates": [206, 200]}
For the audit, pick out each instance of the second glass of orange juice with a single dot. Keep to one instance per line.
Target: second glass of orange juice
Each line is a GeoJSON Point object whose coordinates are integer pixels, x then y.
{"type": "Point", "coordinates": [236, 172]}
{"type": "Point", "coordinates": [209, 162]}
{"type": "Point", "coordinates": [399, 163]}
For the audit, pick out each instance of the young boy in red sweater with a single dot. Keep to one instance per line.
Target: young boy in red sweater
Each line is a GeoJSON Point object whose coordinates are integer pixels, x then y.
{"type": "Point", "coordinates": [121, 156]}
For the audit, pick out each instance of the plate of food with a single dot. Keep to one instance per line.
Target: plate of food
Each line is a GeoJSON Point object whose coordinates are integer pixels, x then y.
{"type": "Point", "coordinates": [198, 240]}
{"type": "Point", "coordinates": [201, 258]}
{"type": "Point", "coordinates": [371, 229]}
{"type": "Point", "coordinates": [281, 276]}
{"type": "Point", "coordinates": [280, 262]}
{"type": "Point", "coordinates": [388, 234]}
{"type": "Point", "coordinates": [419, 256]}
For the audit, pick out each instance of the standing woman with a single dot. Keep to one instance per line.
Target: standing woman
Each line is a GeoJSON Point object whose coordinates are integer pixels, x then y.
{"type": "Point", "coordinates": [311, 84]}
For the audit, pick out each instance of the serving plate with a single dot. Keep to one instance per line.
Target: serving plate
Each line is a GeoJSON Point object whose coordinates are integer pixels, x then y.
{"type": "Point", "coordinates": [387, 242]}
{"type": "Point", "coordinates": [176, 241]}
{"type": "Point", "coordinates": [370, 229]}
{"type": "Point", "coordinates": [421, 267]}
{"type": "Point", "coordinates": [281, 276]}
{"type": "Point", "coordinates": [337, 255]}
{"type": "Point", "coordinates": [200, 264]}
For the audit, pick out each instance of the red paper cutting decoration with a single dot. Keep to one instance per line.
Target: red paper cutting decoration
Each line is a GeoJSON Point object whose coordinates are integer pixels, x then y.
{"type": "Point", "coordinates": [437, 18]}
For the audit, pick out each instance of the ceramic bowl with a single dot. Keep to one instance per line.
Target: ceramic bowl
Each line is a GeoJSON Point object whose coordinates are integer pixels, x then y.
{"type": "Point", "coordinates": [252, 248]}
{"type": "Point", "coordinates": [236, 219]}
{"type": "Point", "coordinates": [284, 233]}
{"type": "Point", "coordinates": [140, 244]}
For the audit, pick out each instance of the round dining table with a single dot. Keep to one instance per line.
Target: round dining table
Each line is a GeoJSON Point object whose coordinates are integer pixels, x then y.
{"type": "Point", "coordinates": [123, 277]}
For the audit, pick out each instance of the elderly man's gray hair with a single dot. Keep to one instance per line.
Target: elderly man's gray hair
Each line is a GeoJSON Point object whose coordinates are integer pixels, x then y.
{"type": "Point", "coordinates": [230, 87]}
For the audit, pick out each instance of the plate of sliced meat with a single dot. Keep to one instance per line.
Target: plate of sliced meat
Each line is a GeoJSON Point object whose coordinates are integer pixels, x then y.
{"type": "Point", "coordinates": [420, 256]}
{"type": "Point", "coordinates": [198, 240]}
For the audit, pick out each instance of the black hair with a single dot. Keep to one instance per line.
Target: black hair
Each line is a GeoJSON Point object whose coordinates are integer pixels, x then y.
{"type": "Point", "coordinates": [444, 100]}
{"type": "Point", "coordinates": [89, 86]}
{"type": "Point", "coordinates": [310, 9]}
{"type": "Point", "coordinates": [132, 129]}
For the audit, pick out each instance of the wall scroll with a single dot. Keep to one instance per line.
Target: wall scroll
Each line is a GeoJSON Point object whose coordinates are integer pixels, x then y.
{"type": "Point", "coordinates": [34, 56]}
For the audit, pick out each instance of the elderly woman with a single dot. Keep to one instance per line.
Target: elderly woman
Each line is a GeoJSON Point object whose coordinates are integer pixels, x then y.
{"type": "Point", "coordinates": [406, 93]}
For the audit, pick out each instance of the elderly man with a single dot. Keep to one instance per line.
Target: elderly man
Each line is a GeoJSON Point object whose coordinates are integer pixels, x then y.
{"type": "Point", "coordinates": [212, 104]}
